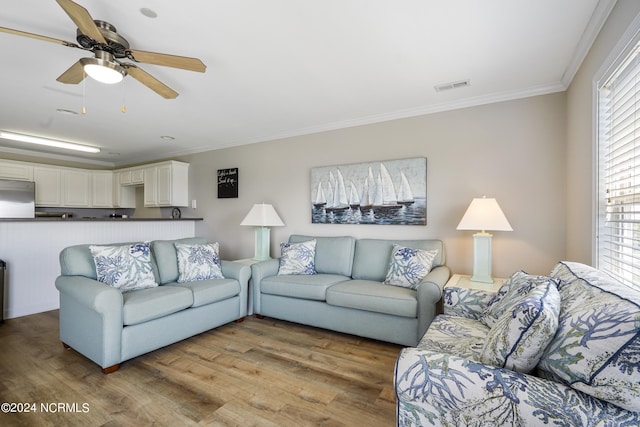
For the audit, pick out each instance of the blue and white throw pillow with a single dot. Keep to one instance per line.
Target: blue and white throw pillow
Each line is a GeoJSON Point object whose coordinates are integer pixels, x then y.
{"type": "Point", "coordinates": [298, 258]}
{"type": "Point", "coordinates": [198, 262]}
{"type": "Point", "coordinates": [408, 266]}
{"type": "Point", "coordinates": [597, 347]}
{"type": "Point", "coordinates": [519, 337]}
{"type": "Point", "coordinates": [512, 291]}
{"type": "Point", "coordinates": [126, 267]}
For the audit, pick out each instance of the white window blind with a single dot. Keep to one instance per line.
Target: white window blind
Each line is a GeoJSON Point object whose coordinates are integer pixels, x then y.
{"type": "Point", "coordinates": [619, 173]}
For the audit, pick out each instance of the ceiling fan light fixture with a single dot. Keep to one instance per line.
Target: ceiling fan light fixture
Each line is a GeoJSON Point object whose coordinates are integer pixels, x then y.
{"type": "Point", "coordinates": [103, 69]}
{"type": "Point", "coordinates": [48, 142]}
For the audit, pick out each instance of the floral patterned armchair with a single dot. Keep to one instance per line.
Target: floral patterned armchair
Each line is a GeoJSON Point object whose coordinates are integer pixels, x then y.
{"type": "Point", "coordinates": [562, 350]}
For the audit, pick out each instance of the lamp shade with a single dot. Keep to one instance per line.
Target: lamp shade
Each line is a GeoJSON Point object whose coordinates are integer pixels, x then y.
{"type": "Point", "coordinates": [484, 214]}
{"type": "Point", "coordinates": [262, 215]}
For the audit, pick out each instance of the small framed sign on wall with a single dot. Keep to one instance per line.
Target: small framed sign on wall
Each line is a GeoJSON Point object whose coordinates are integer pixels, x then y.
{"type": "Point", "coordinates": [228, 183]}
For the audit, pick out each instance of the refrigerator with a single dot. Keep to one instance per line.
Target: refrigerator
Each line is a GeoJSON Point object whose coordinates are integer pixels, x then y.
{"type": "Point", "coordinates": [17, 199]}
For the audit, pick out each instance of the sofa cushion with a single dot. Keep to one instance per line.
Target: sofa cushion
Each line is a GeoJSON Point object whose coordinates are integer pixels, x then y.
{"type": "Point", "coordinates": [125, 267]}
{"type": "Point", "coordinates": [597, 347]}
{"type": "Point", "coordinates": [313, 287]}
{"type": "Point", "coordinates": [298, 258]}
{"type": "Point", "coordinates": [210, 291]}
{"type": "Point", "coordinates": [148, 304]}
{"type": "Point", "coordinates": [166, 258]}
{"type": "Point", "coordinates": [374, 296]}
{"type": "Point", "coordinates": [521, 334]}
{"type": "Point", "coordinates": [408, 266]}
{"type": "Point", "coordinates": [456, 336]}
{"type": "Point", "coordinates": [371, 259]}
{"type": "Point", "coordinates": [198, 261]}
{"type": "Point", "coordinates": [334, 255]}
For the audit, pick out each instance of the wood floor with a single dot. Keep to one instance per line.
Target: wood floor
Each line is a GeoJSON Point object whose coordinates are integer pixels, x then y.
{"type": "Point", "coordinates": [260, 372]}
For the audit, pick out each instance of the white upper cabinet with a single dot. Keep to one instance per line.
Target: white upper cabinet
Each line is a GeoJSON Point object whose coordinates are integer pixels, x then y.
{"type": "Point", "coordinates": [102, 189]}
{"type": "Point", "coordinates": [76, 188]}
{"type": "Point", "coordinates": [167, 184]}
{"type": "Point", "coordinates": [16, 170]}
{"type": "Point", "coordinates": [48, 185]}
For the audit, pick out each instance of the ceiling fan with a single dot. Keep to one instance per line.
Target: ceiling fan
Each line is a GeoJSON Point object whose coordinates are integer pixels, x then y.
{"type": "Point", "coordinates": [110, 49]}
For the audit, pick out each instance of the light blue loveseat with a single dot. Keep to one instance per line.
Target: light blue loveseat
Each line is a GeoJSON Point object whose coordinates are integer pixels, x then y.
{"type": "Point", "coordinates": [587, 373]}
{"type": "Point", "coordinates": [347, 293]}
{"type": "Point", "coordinates": [109, 326]}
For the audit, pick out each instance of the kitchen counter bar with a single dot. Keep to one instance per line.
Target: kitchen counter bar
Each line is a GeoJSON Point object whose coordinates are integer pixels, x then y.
{"type": "Point", "coordinates": [31, 250]}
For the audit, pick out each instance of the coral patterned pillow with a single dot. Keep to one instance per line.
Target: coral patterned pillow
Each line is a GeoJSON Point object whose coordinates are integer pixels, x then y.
{"type": "Point", "coordinates": [408, 266]}
{"type": "Point", "coordinates": [522, 333]}
{"type": "Point", "coordinates": [198, 262]}
{"type": "Point", "coordinates": [125, 267]}
{"type": "Point", "coordinates": [512, 291]}
{"type": "Point", "coordinates": [597, 347]}
{"type": "Point", "coordinates": [298, 258]}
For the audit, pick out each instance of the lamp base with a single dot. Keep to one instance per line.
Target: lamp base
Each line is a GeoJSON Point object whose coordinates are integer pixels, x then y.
{"type": "Point", "coordinates": [262, 244]}
{"type": "Point", "coordinates": [482, 258]}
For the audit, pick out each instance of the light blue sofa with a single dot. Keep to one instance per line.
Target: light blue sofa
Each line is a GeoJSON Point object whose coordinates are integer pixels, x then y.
{"type": "Point", "coordinates": [587, 372]}
{"type": "Point", "coordinates": [347, 294]}
{"type": "Point", "coordinates": [109, 327]}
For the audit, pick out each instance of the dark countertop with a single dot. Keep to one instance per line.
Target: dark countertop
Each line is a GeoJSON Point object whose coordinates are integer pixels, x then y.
{"type": "Point", "coordinates": [94, 219]}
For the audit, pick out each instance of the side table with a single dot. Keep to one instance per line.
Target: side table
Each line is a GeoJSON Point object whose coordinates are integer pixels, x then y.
{"type": "Point", "coordinates": [463, 297]}
{"type": "Point", "coordinates": [464, 281]}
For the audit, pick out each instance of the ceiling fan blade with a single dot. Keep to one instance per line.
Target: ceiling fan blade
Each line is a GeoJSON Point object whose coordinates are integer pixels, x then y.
{"type": "Point", "coordinates": [151, 82]}
{"type": "Point", "coordinates": [183, 62]}
{"type": "Point", "coordinates": [37, 36]}
{"type": "Point", "coordinates": [74, 75]}
{"type": "Point", "coordinates": [83, 20]}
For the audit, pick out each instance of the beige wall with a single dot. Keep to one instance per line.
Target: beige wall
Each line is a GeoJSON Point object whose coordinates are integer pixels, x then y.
{"type": "Point", "coordinates": [513, 151]}
{"type": "Point", "coordinates": [580, 128]}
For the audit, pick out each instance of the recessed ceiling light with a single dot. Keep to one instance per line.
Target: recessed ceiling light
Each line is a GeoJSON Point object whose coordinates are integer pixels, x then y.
{"type": "Point", "coordinates": [148, 12]}
{"type": "Point", "coordinates": [167, 137]}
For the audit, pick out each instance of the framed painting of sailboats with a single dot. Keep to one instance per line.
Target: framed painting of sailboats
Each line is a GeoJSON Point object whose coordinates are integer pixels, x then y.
{"type": "Point", "coordinates": [384, 192]}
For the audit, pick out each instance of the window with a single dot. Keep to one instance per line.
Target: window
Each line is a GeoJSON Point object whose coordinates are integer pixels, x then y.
{"type": "Point", "coordinates": [619, 170]}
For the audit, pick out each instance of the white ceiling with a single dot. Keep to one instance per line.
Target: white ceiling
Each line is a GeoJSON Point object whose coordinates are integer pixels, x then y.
{"type": "Point", "coordinates": [282, 67]}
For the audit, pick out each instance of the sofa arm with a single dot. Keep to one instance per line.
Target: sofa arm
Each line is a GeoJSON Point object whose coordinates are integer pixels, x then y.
{"type": "Point", "coordinates": [429, 293]}
{"type": "Point", "coordinates": [236, 270]}
{"type": "Point", "coordinates": [241, 273]}
{"type": "Point", "coordinates": [439, 389]}
{"type": "Point", "coordinates": [90, 293]}
{"type": "Point", "coordinates": [91, 318]}
{"type": "Point", "coordinates": [260, 271]}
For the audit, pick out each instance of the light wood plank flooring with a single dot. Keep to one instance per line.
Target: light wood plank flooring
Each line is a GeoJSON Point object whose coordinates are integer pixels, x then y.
{"type": "Point", "coordinates": [260, 372]}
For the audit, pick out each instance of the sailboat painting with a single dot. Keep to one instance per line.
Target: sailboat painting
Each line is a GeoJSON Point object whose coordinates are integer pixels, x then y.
{"type": "Point", "coordinates": [390, 192]}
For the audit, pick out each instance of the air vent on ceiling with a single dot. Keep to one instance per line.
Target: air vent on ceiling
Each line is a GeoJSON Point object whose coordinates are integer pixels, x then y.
{"type": "Point", "coordinates": [453, 85]}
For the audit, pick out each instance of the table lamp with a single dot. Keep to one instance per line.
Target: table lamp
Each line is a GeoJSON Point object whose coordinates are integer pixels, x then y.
{"type": "Point", "coordinates": [483, 214]}
{"type": "Point", "coordinates": [262, 216]}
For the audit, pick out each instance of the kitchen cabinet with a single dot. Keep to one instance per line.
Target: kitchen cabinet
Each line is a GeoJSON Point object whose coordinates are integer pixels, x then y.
{"type": "Point", "coordinates": [102, 189]}
{"type": "Point", "coordinates": [151, 186]}
{"type": "Point", "coordinates": [167, 184]}
{"type": "Point", "coordinates": [131, 176]}
{"type": "Point", "coordinates": [15, 170]}
{"type": "Point", "coordinates": [124, 196]}
{"type": "Point", "coordinates": [76, 188]}
{"type": "Point", "coordinates": [48, 185]}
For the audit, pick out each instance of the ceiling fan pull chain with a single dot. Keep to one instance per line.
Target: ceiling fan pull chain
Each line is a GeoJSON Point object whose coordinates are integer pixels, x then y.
{"type": "Point", "coordinates": [84, 110]}
{"type": "Point", "coordinates": [124, 93]}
